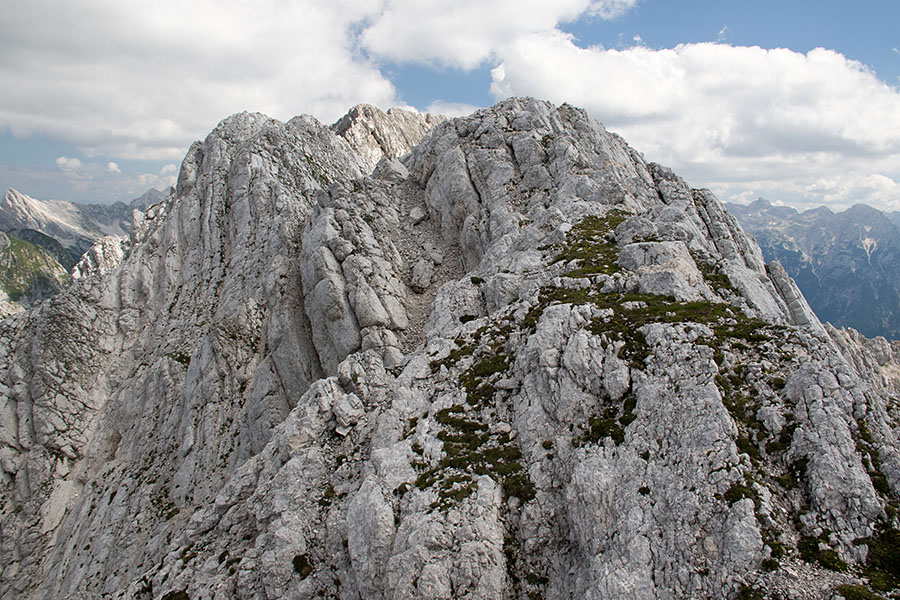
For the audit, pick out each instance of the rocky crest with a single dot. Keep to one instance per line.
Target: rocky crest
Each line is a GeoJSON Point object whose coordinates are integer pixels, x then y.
{"type": "Point", "coordinates": [375, 134]}
{"type": "Point", "coordinates": [518, 362]}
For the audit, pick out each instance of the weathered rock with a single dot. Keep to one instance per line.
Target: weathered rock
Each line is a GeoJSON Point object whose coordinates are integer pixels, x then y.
{"type": "Point", "coordinates": [375, 134]}
{"type": "Point", "coordinates": [417, 215]}
{"type": "Point", "coordinates": [598, 391]}
{"type": "Point", "coordinates": [422, 272]}
{"type": "Point", "coordinates": [103, 257]}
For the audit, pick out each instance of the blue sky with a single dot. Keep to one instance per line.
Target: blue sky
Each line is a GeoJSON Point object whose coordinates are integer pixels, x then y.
{"type": "Point", "coordinates": [865, 31]}
{"type": "Point", "coordinates": [795, 101]}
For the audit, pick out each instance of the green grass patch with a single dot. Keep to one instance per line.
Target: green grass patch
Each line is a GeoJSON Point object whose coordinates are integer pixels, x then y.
{"type": "Point", "coordinates": [883, 559]}
{"type": "Point", "coordinates": [810, 551]}
{"type": "Point", "coordinates": [611, 424]}
{"type": "Point", "coordinates": [745, 328]}
{"type": "Point", "coordinates": [453, 357]}
{"type": "Point", "coordinates": [740, 490]}
{"type": "Point", "coordinates": [714, 276]}
{"type": "Point", "coordinates": [857, 592]}
{"type": "Point", "coordinates": [589, 245]}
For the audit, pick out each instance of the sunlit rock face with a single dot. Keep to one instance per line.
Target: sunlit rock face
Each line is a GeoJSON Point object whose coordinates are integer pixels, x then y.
{"type": "Point", "coordinates": [512, 360]}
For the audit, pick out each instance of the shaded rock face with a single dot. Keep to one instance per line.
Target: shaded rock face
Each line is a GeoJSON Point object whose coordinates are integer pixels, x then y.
{"type": "Point", "coordinates": [521, 362]}
{"type": "Point", "coordinates": [847, 264]}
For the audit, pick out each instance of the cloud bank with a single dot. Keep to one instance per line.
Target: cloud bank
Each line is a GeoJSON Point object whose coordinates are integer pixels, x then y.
{"type": "Point", "coordinates": [141, 80]}
{"type": "Point", "coordinates": [425, 31]}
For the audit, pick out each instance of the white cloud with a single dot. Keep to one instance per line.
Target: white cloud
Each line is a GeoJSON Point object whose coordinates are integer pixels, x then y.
{"type": "Point", "coordinates": [113, 167]}
{"type": "Point", "coordinates": [143, 80]}
{"type": "Point", "coordinates": [137, 184]}
{"type": "Point", "coordinates": [451, 109]}
{"type": "Point", "coordinates": [611, 9]}
{"type": "Point", "coordinates": [730, 118]}
{"type": "Point", "coordinates": [68, 164]}
{"type": "Point", "coordinates": [426, 31]}
{"type": "Point", "coordinates": [169, 168]}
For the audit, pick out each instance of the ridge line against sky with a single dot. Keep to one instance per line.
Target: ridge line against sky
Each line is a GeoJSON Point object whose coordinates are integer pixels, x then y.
{"type": "Point", "coordinates": [796, 101]}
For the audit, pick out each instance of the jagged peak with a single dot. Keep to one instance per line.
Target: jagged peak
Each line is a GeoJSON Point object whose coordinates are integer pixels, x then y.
{"type": "Point", "coordinates": [376, 134]}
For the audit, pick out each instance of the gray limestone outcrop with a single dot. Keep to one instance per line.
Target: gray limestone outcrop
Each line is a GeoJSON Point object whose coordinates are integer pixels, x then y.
{"type": "Point", "coordinates": [375, 134]}
{"type": "Point", "coordinates": [518, 362]}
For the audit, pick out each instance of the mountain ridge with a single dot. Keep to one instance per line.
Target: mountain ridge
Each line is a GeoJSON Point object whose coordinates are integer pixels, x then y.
{"type": "Point", "coordinates": [520, 361]}
{"type": "Point", "coordinates": [846, 263]}
{"type": "Point", "coordinates": [76, 226]}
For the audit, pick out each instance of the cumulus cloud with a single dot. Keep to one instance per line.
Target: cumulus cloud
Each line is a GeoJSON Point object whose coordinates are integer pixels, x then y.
{"type": "Point", "coordinates": [68, 164]}
{"type": "Point", "coordinates": [451, 109]}
{"type": "Point", "coordinates": [425, 31]}
{"type": "Point", "coordinates": [113, 167]}
{"type": "Point", "coordinates": [732, 118]}
{"type": "Point", "coordinates": [142, 80]}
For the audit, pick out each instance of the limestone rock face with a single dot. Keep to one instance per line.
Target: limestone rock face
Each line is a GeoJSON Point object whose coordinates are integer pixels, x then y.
{"type": "Point", "coordinates": [103, 257]}
{"type": "Point", "coordinates": [375, 134]}
{"type": "Point", "coordinates": [519, 362]}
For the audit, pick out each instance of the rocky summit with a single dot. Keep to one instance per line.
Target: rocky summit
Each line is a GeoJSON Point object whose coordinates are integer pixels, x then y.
{"type": "Point", "coordinates": [512, 361]}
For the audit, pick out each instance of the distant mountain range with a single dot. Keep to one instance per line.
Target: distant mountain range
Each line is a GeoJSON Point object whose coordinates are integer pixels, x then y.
{"type": "Point", "coordinates": [75, 226]}
{"type": "Point", "coordinates": [847, 263]}
{"type": "Point", "coordinates": [42, 240]}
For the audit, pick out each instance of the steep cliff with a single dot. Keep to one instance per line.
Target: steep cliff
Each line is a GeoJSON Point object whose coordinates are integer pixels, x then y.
{"type": "Point", "coordinates": [519, 362]}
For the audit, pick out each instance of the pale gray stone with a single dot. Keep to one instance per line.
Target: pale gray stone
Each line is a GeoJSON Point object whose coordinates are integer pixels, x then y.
{"type": "Point", "coordinates": [422, 272]}
{"type": "Point", "coordinates": [250, 400]}
{"type": "Point", "coordinates": [417, 215]}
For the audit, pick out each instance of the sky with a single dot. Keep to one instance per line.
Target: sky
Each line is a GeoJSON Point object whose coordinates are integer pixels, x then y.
{"type": "Point", "coordinates": [797, 101]}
